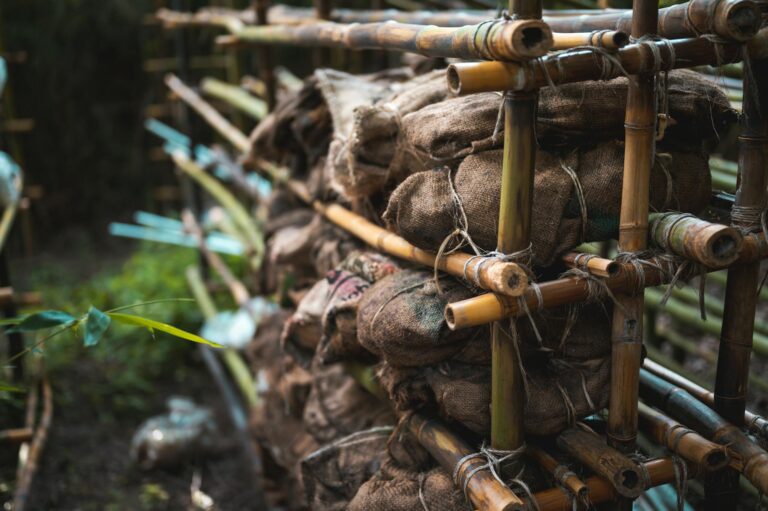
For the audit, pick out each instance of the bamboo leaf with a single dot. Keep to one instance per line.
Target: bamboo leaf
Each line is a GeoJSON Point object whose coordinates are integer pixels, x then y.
{"type": "Point", "coordinates": [96, 324]}
{"type": "Point", "coordinates": [43, 320]}
{"type": "Point", "coordinates": [152, 325]}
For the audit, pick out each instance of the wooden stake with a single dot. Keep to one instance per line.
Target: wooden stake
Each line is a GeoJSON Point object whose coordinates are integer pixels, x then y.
{"type": "Point", "coordinates": [741, 289]}
{"type": "Point", "coordinates": [639, 149]}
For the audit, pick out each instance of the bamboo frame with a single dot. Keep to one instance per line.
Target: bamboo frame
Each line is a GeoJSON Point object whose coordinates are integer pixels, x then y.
{"type": "Point", "coordinates": [713, 245]}
{"type": "Point", "coordinates": [611, 40]}
{"type": "Point", "coordinates": [590, 449]}
{"type": "Point", "coordinates": [595, 265]}
{"type": "Point", "coordinates": [748, 458]}
{"type": "Point", "coordinates": [483, 490]}
{"type": "Point", "coordinates": [577, 66]}
{"type": "Point", "coordinates": [733, 358]}
{"type": "Point", "coordinates": [734, 19]}
{"type": "Point", "coordinates": [681, 440]}
{"type": "Point", "coordinates": [757, 424]}
{"type": "Point", "coordinates": [561, 473]}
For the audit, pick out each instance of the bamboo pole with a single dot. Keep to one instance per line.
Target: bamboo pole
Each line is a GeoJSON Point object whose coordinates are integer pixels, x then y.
{"type": "Point", "coordinates": [733, 19]}
{"type": "Point", "coordinates": [611, 40]}
{"type": "Point", "coordinates": [660, 471]}
{"type": "Point", "coordinates": [235, 96]}
{"type": "Point", "coordinates": [498, 40]}
{"type": "Point", "coordinates": [595, 265]}
{"type": "Point", "coordinates": [513, 235]}
{"type": "Point", "coordinates": [561, 473]}
{"type": "Point", "coordinates": [487, 308]}
{"type": "Point", "coordinates": [713, 245]}
{"type": "Point", "coordinates": [27, 470]}
{"type": "Point", "coordinates": [582, 65]}
{"type": "Point", "coordinates": [590, 449]}
{"type": "Point", "coordinates": [639, 150]}
{"type": "Point", "coordinates": [483, 490]}
{"type": "Point", "coordinates": [748, 457]}
{"type": "Point", "coordinates": [757, 424]}
{"type": "Point", "coordinates": [681, 440]}
{"type": "Point", "coordinates": [264, 55]}
{"type": "Point", "coordinates": [733, 359]}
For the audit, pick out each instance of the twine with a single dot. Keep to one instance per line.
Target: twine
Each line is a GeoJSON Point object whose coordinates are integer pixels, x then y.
{"type": "Point", "coordinates": [494, 460]}
{"type": "Point", "coordinates": [681, 481]}
{"type": "Point", "coordinates": [421, 492]}
{"type": "Point", "coordinates": [579, 196]}
{"type": "Point", "coordinates": [640, 460]}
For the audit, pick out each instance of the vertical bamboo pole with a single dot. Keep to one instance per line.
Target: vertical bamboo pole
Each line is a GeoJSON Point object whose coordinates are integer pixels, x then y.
{"type": "Point", "coordinates": [507, 397]}
{"type": "Point", "coordinates": [264, 55]}
{"type": "Point", "coordinates": [741, 286]}
{"type": "Point", "coordinates": [640, 130]}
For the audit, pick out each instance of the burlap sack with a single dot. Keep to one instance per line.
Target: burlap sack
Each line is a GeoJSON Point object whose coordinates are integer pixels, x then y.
{"type": "Point", "coordinates": [566, 379]}
{"type": "Point", "coordinates": [395, 488]}
{"type": "Point", "coordinates": [400, 319]}
{"type": "Point", "coordinates": [333, 474]}
{"type": "Point", "coordinates": [567, 116]}
{"type": "Point", "coordinates": [423, 211]}
{"type": "Point", "coordinates": [361, 160]}
{"type": "Point", "coordinates": [338, 405]}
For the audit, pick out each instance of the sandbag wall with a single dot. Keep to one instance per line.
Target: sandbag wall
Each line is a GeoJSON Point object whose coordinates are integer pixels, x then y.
{"type": "Point", "coordinates": [362, 348]}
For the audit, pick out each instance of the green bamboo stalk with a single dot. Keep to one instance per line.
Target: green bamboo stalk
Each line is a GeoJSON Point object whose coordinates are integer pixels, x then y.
{"type": "Point", "coordinates": [720, 278]}
{"type": "Point", "coordinates": [723, 181]}
{"type": "Point", "coordinates": [229, 202]}
{"type": "Point", "coordinates": [691, 316]}
{"type": "Point", "coordinates": [235, 96]}
{"type": "Point", "coordinates": [237, 367]}
{"type": "Point", "coordinates": [725, 166]}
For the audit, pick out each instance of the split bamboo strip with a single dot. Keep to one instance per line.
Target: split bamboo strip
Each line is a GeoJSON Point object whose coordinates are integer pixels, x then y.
{"type": "Point", "coordinates": [483, 490]}
{"type": "Point", "coordinates": [584, 64]}
{"type": "Point", "coordinates": [235, 96]}
{"type": "Point", "coordinates": [660, 471]}
{"type": "Point", "coordinates": [639, 155]}
{"type": "Point", "coordinates": [713, 245]}
{"type": "Point", "coordinates": [489, 307]}
{"type": "Point", "coordinates": [497, 40]}
{"type": "Point", "coordinates": [561, 473]}
{"type": "Point", "coordinates": [681, 440]}
{"type": "Point", "coordinates": [733, 358]}
{"type": "Point", "coordinates": [593, 264]}
{"type": "Point", "coordinates": [748, 457]}
{"type": "Point", "coordinates": [734, 19]}
{"type": "Point", "coordinates": [503, 277]}
{"type": "Point", "coordinates": [210, 114]}
{"type": "Point", "coordinates": [757, 425]}
{"type": "Point", "coordinates": [590, 449]}
{"type": "Point", "coordinates": [513, 236]}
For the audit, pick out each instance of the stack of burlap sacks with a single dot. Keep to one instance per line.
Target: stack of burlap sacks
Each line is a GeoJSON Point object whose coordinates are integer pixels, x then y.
{"type": "Point", "coordinates": [401, 150]}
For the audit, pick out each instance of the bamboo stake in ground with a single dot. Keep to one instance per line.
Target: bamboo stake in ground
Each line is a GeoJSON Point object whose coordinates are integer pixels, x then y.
{"type": "Point", "coordinates": [590, 449]}
{"type": "Point", "coordinates": [681, 440]}
{"type": "Point", "coordinates": [639, 149]}
{"type": "Point", "coordinates": [740, 293]}
{"type": "Point", "coordinates": [484, 491]}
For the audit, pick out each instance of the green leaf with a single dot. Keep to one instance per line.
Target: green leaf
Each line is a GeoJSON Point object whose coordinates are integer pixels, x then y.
{"type": "Point", "coordinates": [9, 387]}
{"type": "Point", "coordinates": [43, 320]}
{"type": "Point", "coordinates": [96, 323]}
{"type": "Point", "coordinates": [152, 325]}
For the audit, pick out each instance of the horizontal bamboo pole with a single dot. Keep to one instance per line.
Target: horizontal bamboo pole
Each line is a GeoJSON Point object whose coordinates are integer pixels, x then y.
{"type": "Point", "coordinates": [757, 425]}
{"type": "Point", "coordinates": [593, 264]}
{"type": "Point", "coordinates": [489, 307]}
{"type": "Point", "coordinates": [660, 471]}
{"type": "Point", "coordinates": [499, 40]}
{"type": "Point", "coordinates": [484, 491]}
{"type": "Point", "coordinates": [503, 277]}
{"type": "Point", "coordinates": [681, 440]}
{"type": "Point", "coordinates": [16, 435]}
{"type": "Point", "coordinates": [590, 449]}
{"type": "Point", "coordinates": [748, 458]}
{"type": "Point", "coordinates": [730, 19]}
{"type": "Point", "coordinates": [611, 40]}
{"type": "Point", "coordinates": [236, 96]}
{"type": "Point", "coordinates": [713, 245]}
{"type": "Point", "coordinates": [582, 65]}
{"type": "Point", "coordinates": [561, 473]}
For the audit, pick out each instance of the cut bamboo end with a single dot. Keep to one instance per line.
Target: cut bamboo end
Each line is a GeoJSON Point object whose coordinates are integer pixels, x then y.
{"type": "Point", "coordinates": [469, 78]}
{"type": "Point", "coordinates": [713, 245]}
{"type": "Point", "coordinates": [737, 19]}
{"type": "Point", "coordinates": [593, 264]}
{"type": "Point", "coordinates": [524, 39]}
{"type": "Point", "coordinates": [502, 277]}
{"type": "Point", "coordinates": [611, 40]}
